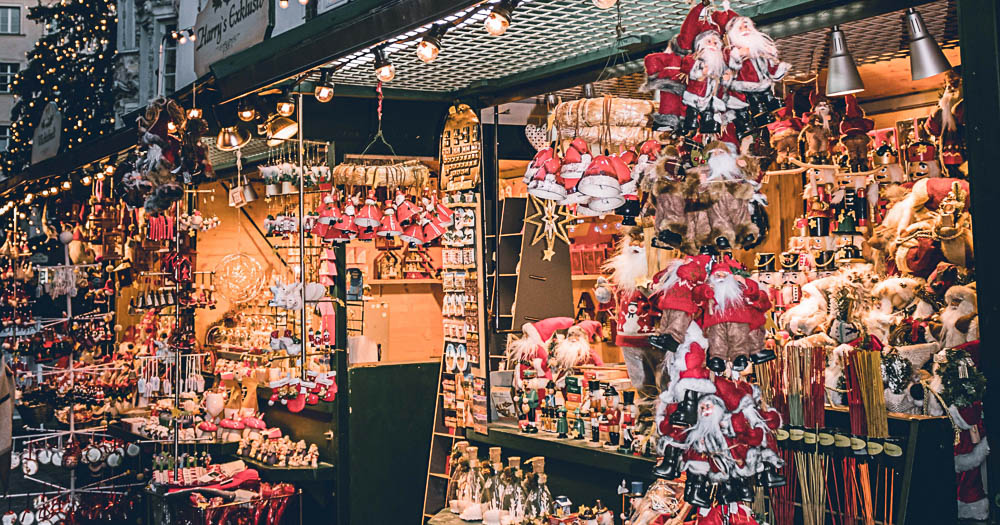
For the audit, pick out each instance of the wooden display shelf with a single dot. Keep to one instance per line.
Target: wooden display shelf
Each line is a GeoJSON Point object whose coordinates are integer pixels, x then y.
{"type": "Point", "coordinates": [323, 471]}
{"type": "Point", "coordinates": [384, 282]}
{"type": "Point", "coordinates": [217, 449]}
{"type": "Point", "coordinates": [447, 517]}
{"type": "Point", "coordinates": [587, 277]}
{"type": "Point", "coordinates": [569, 450]}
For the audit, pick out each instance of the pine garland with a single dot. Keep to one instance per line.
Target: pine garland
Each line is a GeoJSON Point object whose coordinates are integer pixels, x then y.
{"type": "Point", "coordinates": [72, 65]}
{"type": "Point", "coordinates": [956, 389]}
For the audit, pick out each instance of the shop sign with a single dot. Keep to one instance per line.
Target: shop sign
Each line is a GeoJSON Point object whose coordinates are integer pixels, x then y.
{"type": "Point", "coordinates": [226, 27]}
{"type": "Point", "coordinates": [48, 134]}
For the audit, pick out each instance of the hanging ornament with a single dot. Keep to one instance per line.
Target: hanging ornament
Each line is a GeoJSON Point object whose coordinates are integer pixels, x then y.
{"type": "Point", "coordinates": [550, 221]}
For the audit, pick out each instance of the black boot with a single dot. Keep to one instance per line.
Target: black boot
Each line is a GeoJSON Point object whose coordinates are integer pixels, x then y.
{"type": "Point", "coordinates": [740, 363]}
{"type": "Point", "coordinates": [742, 123]}
{"type": "Point", "coordinates": [722, 243]}
{"type": "Point", "coordinates": [716, 364]}
{"type": "Point", "coordinates": [671, 238]}
{"type": "Point", "coordinates": [737, 489]}
{"type": "Point", "coordinates": [762, 356]}
{"type": "Point", "coordinates": [687, 411]}
{"type": "Point", "coordinates": [698, 490]}
{"type": "Point", "coordinates": [709, 126]}
{"type": "Point", "coordinates": [690, 120]}
{"type": "Point", "coordinates": [669, 466]}
{"type": "Point", "coordinates": [663, 342]}
{"type": "Point", "coordinates": [771, 103]}
{"type": "Point", "coordinates": [770, 478]}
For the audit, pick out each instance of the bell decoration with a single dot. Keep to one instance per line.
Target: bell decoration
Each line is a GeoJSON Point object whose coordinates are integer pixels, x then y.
{"type": "Point", "coordinates": [431, 230]}
{"type": "Point", "coordinates": [346, 221]}
{"type": "Point", "coordinates": [389, 227]}
{"type": "Point", "coordinates": [413, 234]}
{"type": "Point", "coordinates": [336, 235]}
{"type": "Point", "coordinates": [405, 210]}
{"type": "Point", "coordinates": [445, 215]}
{"type": "Point", "coordinates": [369, 216]}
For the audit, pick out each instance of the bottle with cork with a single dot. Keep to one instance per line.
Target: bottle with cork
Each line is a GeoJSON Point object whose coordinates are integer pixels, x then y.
{"type": "Point", "coordinates": [458, 469]}
{"type": "Point", "coordinates": [540, 502]}
{"type": "Point", "coordinates": [515, 498]}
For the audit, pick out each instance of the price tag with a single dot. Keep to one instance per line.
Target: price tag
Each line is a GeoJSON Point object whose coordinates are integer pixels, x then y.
{"type": "Point", "coordinates": [963, 371]}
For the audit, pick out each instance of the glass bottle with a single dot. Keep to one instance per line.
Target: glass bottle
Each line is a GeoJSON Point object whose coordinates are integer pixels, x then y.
{"type": "Point", "coordinates": [493, 484]}
{"type": "Point", "coordinates": [473, 490]}
{"type": "Point", "coordinates": [515, 498]}
{"type": "Point", "coordinates": [540, 502]}
{"type": "Point", "coordinates": [458, 469]}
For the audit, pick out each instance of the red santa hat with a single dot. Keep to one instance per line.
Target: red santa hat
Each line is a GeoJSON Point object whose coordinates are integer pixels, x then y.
{"type": "Point", "coordinates": [697, 25]}
{"type": "Point", "coordinates": [854, 122]}
{"type": "Point", "coordinates": [736, 395]}
{"type": "Point", "coordinates": [543, 331]}
{"type": "Point", "coordinates": [591, 328]}
{"type": "Point", "coordinates": [689, 362]}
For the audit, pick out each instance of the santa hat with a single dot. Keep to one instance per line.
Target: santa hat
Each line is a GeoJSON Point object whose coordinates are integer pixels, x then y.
{"type": "Point", "coordinates": [542, 331]}
{"type": "Point", "coordinates": [603, 178]}
{"type": "Point", "coordinates": [736, 395]}
{"type": "Point", "coordinates": [854, 122]}
{"type": "Point", "coordinates": [591, 328]}
{"type": "Point", "coordinates": [695, 27]}
{"type": "Point", "coordinates": [574, 163]}
{"type": "Point", "coordinates": [689, 362]}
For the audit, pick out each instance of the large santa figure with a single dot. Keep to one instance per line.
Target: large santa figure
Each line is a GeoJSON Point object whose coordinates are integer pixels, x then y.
{"type": "Point", "coordinates": [700, 37]}
{"type": "Point", "coordinates": [754, 57]}
{"type": "Point", "coordinates": [628, 294]}
{"type": "Point", "coordinates": [530, 354]}
{"type": "Point", "coordinates": [576, 350]}
{"type": "Point", "coordinates": [734, 313]}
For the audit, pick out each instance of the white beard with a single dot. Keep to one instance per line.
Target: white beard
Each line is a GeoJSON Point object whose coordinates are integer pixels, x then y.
{"type": "Point", "coordinates": [728, 290]}
{"type": "Point", "coordinates": [722, 166]}
{"type": "Point", "coordinates": [707, 436]}
{"type": "Point", "coordinates": [713, 61]}
{"type": "Point", "coordinates": [760, 44]}
{"type": "Point", "coordinates": [824, 113]}
{"type": "Point", "coordinates": [950, 336]}
{"type": "Point", "coordinates": [572, 351]}
{"type": "Point", "coordinates": [521, 349]}
{"type": "Point", "coordinates": [628, 266]}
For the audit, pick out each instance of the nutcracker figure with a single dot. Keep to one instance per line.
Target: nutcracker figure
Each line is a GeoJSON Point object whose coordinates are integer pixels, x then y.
{"type": "Point", "coordinates": [612, 417]}
{"type": "Point", "coordinates": [562, 425]}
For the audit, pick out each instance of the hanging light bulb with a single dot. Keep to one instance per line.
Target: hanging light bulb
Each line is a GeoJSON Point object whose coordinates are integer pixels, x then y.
{"type": "Point", "coordinates": [280, 129]}
{"type": "Point", "coordinates": [245, 111]}
{"type": "Point", "coordinates": [232, 138]}
{"type": "Point", "coordinates": [66, 185]}
{"type": "Point", "coordinates": [286, 106]}
{"type": "Point", "coordinates": [843, 77]}
{"type": "Point", "coordinates": [191, 35]}
{"type": "Point", "coordinates": [430, 46]}
{"type": "Point", "coordinates": [109, 170]}
{"type": "Point", "coordinates": [194, 113]}
{"type": "Point", "coordinates": [384, 70]}
{"type": "Point", "coordinates": [605, 4]}
{"type": "Point", "coordinates": [171, 127]}
{"type": "Point", "coordinates": [304, 2]}
{"type": "Point", "coordinates": [499, 18]}
{"type": "Point", "coordinates": [926, 57]}
{"type": "Point", "coordinates": [45, 193]}
{"type": "Point", "coordinates": [283, 4]}
{"type": "Point", "coordinates": [28, 198]}
{"type": "Point", "coordinates": [85, 180]}
{"type": "Point", "coordinates": [324, 88]}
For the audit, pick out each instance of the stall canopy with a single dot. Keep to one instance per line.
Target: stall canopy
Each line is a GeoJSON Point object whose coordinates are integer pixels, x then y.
{"type": "Point", "coordinates": [551, 44]}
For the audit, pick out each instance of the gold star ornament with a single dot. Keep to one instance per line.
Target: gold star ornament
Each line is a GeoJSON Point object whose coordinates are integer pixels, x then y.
{"type": "Point", "coordinates": [550, 221]}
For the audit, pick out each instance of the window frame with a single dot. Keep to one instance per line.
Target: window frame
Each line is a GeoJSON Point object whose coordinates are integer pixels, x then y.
{"type": "Point", "coordinates": [11, 75]}
{"type": "Point", "coordinates": [16, 8]}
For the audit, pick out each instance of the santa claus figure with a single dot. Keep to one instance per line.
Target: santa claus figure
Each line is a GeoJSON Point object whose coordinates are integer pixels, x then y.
{"type": "Point", "coordinates": [734, 310]}
{"type": "Point", "coordinates": [663, 73]}
{"type": "Point", "coordinates": [707, 456]}
{"type": "Point", "coordinates": [575, 349]}
{"type": "Point", "coordinates": [529, 357]}
{"type": "Point", "coordinates": [701, 36]}
{"type": "Point", "coordinates": [784, 132]}
{"type": "Point", "coordinates": [959, 319]}
{"type": "Point", "coordinates": [628, 294]}
{"type": "Point", "coordinates": [819, 129]}
{"type": "Point", "coordinates": [673, 297]}
{"type": "Point", "coordinates": [754, 57]}
{"type": "Point", "coordinates": [947, 123]}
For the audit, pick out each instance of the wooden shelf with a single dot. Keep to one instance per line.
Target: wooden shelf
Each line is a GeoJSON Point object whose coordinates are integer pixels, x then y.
{"type": "Point", "coordinates": [264, 395]}
{"type": "Point", "coordinates": [587, 277]}
{"type": "Point", "coordinates": [385, 282]}
{"type": "Point", "coordinates": [447, 517]}
{"type": "Point", "coordinates": [568, 450]}
{"type": "Point", "coordinates": [322, 472]}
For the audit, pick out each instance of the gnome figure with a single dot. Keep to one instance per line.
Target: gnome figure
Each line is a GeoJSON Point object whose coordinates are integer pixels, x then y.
{"type": "Point", "coordinates": [628, 294]}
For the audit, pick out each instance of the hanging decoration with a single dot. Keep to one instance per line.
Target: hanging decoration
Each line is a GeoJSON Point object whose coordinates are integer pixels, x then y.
{"type": "Point", "coordinates": [461, 149]}
{"type": "Point", "coordinates": [550, 221]}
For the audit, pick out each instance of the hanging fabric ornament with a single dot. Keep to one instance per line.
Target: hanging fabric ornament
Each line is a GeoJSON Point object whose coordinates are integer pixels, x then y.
{"type": "Point", "coordinates": [413, 234]}
{"type": "Point", "coordinates": [389, 227]}
{"type": "Point", "coordinates": [405, 210]}
{"type": "Point", "coordinates": [431, 230]}
{"type": "Point", "coordinates": [369, 216]}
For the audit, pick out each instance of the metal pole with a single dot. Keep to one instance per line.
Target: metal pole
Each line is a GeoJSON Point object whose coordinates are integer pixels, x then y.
{"type": "Point", "coordinates": [302, 245]}
{"type": "Point", "coordinates": [160, 73]}
{"type": "Point", "coordinates": [496, 219]}
{"type": "Point", "coordinates": [177, 352]}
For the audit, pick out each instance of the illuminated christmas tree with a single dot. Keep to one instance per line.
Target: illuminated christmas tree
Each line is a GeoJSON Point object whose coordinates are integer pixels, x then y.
{"type": "Point", "coordinates": [72, 65]}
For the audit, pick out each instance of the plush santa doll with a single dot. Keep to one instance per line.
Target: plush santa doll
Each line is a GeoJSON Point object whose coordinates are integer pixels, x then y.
{"type": "Point", "coordinates": [673, 297]}
{"type": "Point", "coordinates": [529, 357]}
{"type": "Point", "coordinates": [628, 294]}
{"type": "Point", "coordinates": [854, 135]}
{"type": "Point", "coordinates": [754, 58]}
{"type": "Point", "coordinates": [663, 73]}
{"type": "Point", "coordinates": [947, 123]}
{"type": "Point", "coordinates": [819, 129]}
{"type": "Point", "coordinates": [704, 67]}
{"type": "Point", "coordinates": [734, 310]}
{"type": "Point", "coordinates": [707, 459]}
{"type": "Point", "coordinates": [959, 319]}
{"type": "Point", "coordinates": [575, 349]}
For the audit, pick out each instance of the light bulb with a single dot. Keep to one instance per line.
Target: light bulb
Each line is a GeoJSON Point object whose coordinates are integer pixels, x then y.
{"type": "Point", "coordinates": [194, 113]}
{"type": "Point", "coordinates": [283, 4]}
{"type": "Point", "coordinates": [171, 127]}
{"type": "Point", "coordinates": [245, 114]}
{"type": "Point", "coordinates": [286, 107]}
{"type": "Point", "coordinates": [605, 4]}
{"type": "Point", "coordinates": [67, 185]}
{"type": "Point", "coordinates": [497, 23]}
{"type": "Point", "coordinates": [428, 50]}
{"type": "Point", "coordinates": [324, 88]}
{"type": "Point", "coordinates": [386, 73]}
{"type": "Point", "coordinates": [53, 190]}
{"type": "Point", "coordinates": [28, 198]}
{"type": "Point", "coordinates": [109, 169]}
{"type": "Point", "coordinates": [85, 180]}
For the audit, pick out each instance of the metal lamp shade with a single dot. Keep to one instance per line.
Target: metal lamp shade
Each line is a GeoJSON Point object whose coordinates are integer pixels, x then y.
{"type": "Point", "coordinates": [232, 138]}
{"type": "Point", "coordinates": [926, 57]}
{"type": "Point", "coordinates": [842, 77]}
{"type": "Point", "coordinates": [249, 194]}
{"type": "Point", "coordinates": [280, 129]}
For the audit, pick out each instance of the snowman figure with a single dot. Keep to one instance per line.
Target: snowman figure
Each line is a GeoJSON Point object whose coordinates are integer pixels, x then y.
{"type": "Point", "coordinates": [631, 324]}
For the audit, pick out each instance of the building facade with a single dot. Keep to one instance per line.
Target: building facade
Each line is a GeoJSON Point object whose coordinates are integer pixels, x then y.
{"type": "Point", "coordinates": [17, 36]}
